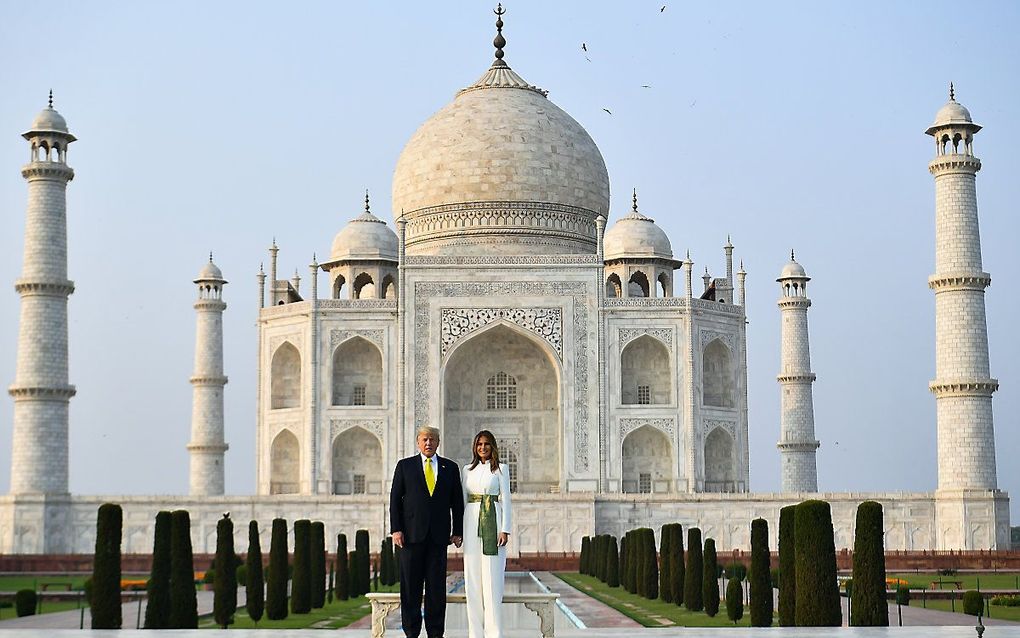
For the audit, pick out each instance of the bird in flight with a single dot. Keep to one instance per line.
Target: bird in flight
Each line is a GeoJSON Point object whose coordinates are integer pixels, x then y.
{"type": "Point", "coordinates": [662, 9]}
{"type": "Point", "coordinates": [646, 86]}
{"type": "Point", "coordinates": [607, 111]}
{"type": "Point", "coordinates": [584, 47]}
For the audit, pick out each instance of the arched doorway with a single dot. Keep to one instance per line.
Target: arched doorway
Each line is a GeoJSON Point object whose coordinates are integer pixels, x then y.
{"type": "Point", "coordinates": [357, 463]}
{"type": "Point", "coordinates": [357, 373]}
{"type": "Point", "coordinates": [505, 380]}
{"type": "Point", "coordinates": [285, 464]}
{"type": "Point", "coordinates": [720, 470]}
{"type": "Point", "coordinates": [647, 461]}
{"type": "Point", "coordinates": [645, 375]}
{"type": "Point", "coordinates": [285, 380]}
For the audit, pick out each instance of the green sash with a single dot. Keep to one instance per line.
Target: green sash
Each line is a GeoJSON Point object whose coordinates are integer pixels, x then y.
{"type": "Point", "coordinates": [487, 522]}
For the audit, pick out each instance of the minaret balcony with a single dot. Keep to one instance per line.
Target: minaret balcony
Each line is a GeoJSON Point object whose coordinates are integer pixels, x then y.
{"type": "Point", "coordinates": [53, 170]}
{"type": "Point", "coordinates": [946, 282]}
{"type": "Point", "coordinates": [963, 387]}
{"type": "Point", "coordinates": [954, 163]}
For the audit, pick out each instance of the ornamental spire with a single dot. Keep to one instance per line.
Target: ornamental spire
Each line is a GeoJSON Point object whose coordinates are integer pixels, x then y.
{"type": "Point", "coordinates": [367, 210]}
{"type": "Point", "coordinates": [633, 206]}
{"type": "Point", "coordinates": [952, 93]}
{"type": "Point", "coordinates": [499, 41]}
{"type": "Point", "coordinates": [51, 99]}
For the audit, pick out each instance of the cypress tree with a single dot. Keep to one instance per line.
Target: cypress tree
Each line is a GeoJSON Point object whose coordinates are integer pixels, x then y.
{"type": "Point", "coordinates": [255, 589]}
{"type": "Point", "coordinates": [818, 603]}
{"type": "Point", "coordinates": [276, 581]}
{"type": "Point", "coordinates": [623, 561]}
{"type": "Point", "coordinates": [106, 568]}
{"type": "Point", "coordinates": [183, 599]}
{"type": "Point", "coordinates": [318, 571]}
{"type": "Point", "coordinates": [640, 562]}
{"type": "Point", "coordinates": [710, 579]}
{"type": "Point", "coordinates": [665, 575]}
{"type": "Point", "coordinates": [676, 562]}
{"type": "Point", "coordinates": [343, 581]}
{"type": "Point", "coordinates": [760, 576]}
{"type": "Point", "coordinates": [585, 549]}
{"type": "Point", "coordinates": [596, 556]}
{"type": "Point", "coordinates": [613, 564]}
{"type": "Point", "coordinates": [869, 608]}
{"type": "Point", "coordinates": [301, 583]}
{"type": "Point", "coordinates": [225, 584]}
{"type": "Point", "coordinates": [649, 570]}
{"type": "Point", "coordinates": [157, 608]}
{"type": "Point", "coordinates": [787, 567]}
{"type": "Point", "coordinates": [693, 574]}
{"type": "Point", "coordinates": [364, 565]}
{"type": "Point", "coordinates": [734, 600]}
{"type": "Point", "coordinates": [604, 557]}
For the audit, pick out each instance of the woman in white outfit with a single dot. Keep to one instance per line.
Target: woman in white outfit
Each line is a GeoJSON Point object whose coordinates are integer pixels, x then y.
{"type": "Point", "coordinates": [486, 533]}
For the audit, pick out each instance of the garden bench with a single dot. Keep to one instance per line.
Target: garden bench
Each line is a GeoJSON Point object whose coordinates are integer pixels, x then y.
{"type": "Point", "coordinates": [939, 584]}
{"type": "Point", "coordinates": [542, 604]}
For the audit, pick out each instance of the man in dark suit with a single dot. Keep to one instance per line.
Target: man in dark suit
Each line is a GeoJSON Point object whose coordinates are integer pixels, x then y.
{"type": "Point", "coordinates": [426, 515]}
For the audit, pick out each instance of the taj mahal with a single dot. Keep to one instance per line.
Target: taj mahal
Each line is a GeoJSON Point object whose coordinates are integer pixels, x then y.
{"type": "Point", "coordinates": [504, 295]}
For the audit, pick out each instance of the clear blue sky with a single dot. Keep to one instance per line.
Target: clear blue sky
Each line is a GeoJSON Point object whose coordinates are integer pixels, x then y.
{"type": "Point", "coordinates": [217, 126]}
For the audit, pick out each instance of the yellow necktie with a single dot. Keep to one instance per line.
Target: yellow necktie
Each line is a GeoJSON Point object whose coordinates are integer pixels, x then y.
{"type": "Point", "coordinates": [430, 476]}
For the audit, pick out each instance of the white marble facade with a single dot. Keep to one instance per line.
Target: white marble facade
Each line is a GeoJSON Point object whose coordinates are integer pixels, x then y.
{"type": "Point", "coordinates": [506, 297]}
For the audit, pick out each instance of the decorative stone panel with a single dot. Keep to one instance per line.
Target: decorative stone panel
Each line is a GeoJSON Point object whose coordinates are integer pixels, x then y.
{"type": "Point", "coordinates": [668, 426]}
{"type": "Point", "coordinates": [729, 426]}
{"type": "Point", "coordinates": [708, 336]}
{"type": "Point", "coordinates": [375, 426]}
{"type": "Point", "coordinates": [576, 290]}
{"type": "Point", "coordinates": [337, 336]}
{"type": "Point", "coordinates": [665, 335]}
{"type": "Point", "coordinates": [546, 323]}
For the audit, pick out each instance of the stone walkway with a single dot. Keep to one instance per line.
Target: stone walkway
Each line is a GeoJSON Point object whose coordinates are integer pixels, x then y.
{"type": "Point", "coordinates": [593, 613]}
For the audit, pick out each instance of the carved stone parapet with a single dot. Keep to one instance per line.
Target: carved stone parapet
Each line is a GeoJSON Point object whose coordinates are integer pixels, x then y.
{"type": "Point", "coordinates": [798, 446]}
{"type": "Point", "coordinates": [52, 170]}
{"type": "Point", "coordinates": [357, 304]}
{"type": "Point", "coordinates": [794, 302]}
{"type": "Point", "coordinates": [51, 288]}
{"type": "Point", "coordinates": [545, 618]}
{"type": "Point", "coordinates": [807, 377]}
{"type": "Point", "coordinates": [214, 448]}
{"type": "Point", "coordinates": [963, 387]}
{"type": "Point", "coordinates": [954, 163]}
{"type": "Point", "coordinates": [959, 281]}
{"type": "Point", "coordinates": [208, 380]}
{"type": "Point", "coordinates": [44, 393]}
{"type": "Point", "coordinates": [500, 260]}
{"type": "Point", "coordinates": [214, 305]}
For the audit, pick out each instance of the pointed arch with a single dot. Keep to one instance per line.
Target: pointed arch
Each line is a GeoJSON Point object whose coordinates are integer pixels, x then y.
{"type": "Point", "coordinates": [357, 462]}
{"type": "Point", "coordinates": [357, 373]}
{"type": "Point", "coordinates": [645, 372]}
{"type": "Point", "coordinates": [536, 422]}
{"type": "Point", "coordinates": [338, 286]}
{"type": "Point", "coordinates": [389, 287]}
{"type": "Point", "coordinates": [638, 285]}
{"type": "Point", "coordinates": [364, 286]}
{"type": "Point", "coordinates": [647, 461]}
{"type": "Point", "coordinates": [284, 464]}
{"type": "Point", "coordinates": [614, 287]}
{"type": "Point", "coordinates": [717, 375]}
{"type": "Point", "coordinates": [720, 465]}
{"type": "Point", "coordinates": [285, 379]}
{"type": "Point", "coordinates": [665, 285]}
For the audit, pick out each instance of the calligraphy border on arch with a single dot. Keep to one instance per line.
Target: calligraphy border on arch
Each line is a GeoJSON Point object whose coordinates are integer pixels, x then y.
{"type": "Point", "coordinates": [577, 290]}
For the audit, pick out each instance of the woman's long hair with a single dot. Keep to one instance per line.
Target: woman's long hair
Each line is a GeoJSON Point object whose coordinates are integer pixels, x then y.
{"type": "Point", "coordinates": [475, 459]}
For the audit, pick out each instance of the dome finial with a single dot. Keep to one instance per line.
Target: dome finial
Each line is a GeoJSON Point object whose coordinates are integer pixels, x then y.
{"type": "Point", "coordinates": [791, 255]}
{"type": "Point", "coordinates": [210, 256]}
{"type": "Point", "coordinates": [634, 200]}
{"type": "Point", "coordinates": [952, 93]}
{"type": "Point", "coordinates": [499, 41]}
{"type": "Point", "coordinates": [367, 210]}
{"type": "Point", "coordinates": [51, 99]}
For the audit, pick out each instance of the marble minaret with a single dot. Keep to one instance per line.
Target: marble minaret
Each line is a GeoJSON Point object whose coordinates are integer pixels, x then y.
{"type": "Point", "coordinates": [41, 390]}
{"type": "Point", "coordinates": [797, 443]}
{"type": "Point", "coordinates": [207, 446]}
{"type": "Point", "coordinates": [963, 385]}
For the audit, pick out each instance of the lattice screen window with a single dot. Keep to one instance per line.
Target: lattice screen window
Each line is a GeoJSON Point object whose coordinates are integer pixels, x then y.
{"type": "Point", "coordinates": [645, 482]}
{"type": "Point", "coordinates": [358, 397]}
{"type": "Point", "coordinates": [359, 484]}
{"type": "Point", "coordinates": [644, 394]}
{"type": "Point", "coordinates": [501, 392]}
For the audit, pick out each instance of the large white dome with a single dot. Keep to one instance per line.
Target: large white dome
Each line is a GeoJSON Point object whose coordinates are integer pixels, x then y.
{"type": "Point", "coordinates": [500, 169]}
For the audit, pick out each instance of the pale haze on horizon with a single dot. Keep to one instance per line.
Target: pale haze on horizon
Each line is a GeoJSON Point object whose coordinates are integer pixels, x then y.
{"type": "Point", "coordinates": [219, 127]}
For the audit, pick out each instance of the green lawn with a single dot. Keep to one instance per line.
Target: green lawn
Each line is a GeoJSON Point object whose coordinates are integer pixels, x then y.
{"type": "Point", "coordinates": [1002, 613]}
{"type": "Point", "coordinates": [333, 616]}
{"type": "Point", "coordinates": [989, 580]}
{"type": "Point", "coordinates": [650, 613]}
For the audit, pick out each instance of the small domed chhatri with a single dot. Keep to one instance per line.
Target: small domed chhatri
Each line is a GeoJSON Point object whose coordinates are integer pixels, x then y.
{"type": "Point", "coordinates": [501, 168]}
{"type": "Point", "coordinates": [793, 270]}
{"type": "Point", "coordinates": [636, 235]}
{"type": "Point", "coordinates": [210, 272]}
{"type": "Point", "coordinates": [49, 120]}
{"type": "Point", "coordinates": [953, 114]}
{"type": "Point", "coordinates": [365, 237]}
